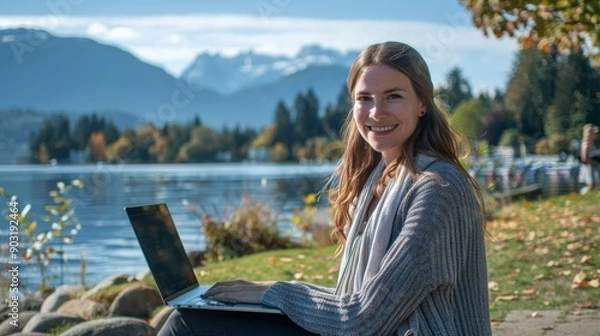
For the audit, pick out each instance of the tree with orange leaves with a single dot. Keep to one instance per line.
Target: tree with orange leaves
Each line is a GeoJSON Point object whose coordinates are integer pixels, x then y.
{"type": "Point", "coordinates": [568, 26]}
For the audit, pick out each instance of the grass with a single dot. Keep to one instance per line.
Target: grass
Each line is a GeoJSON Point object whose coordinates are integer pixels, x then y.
{"type": "Point", "coordinates": [544, 255]}
{"type": "Point", "coordinates": [538, 253]}
{"type": "Point", "coordinates": [308, 264]}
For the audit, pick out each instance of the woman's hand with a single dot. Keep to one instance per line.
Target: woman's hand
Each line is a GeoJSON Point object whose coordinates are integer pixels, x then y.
{"type": "Point", "coordinates": [238, 291]}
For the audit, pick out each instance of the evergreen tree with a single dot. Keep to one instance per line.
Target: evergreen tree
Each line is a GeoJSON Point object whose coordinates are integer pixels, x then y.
{"type": "Point", "coordinates": [530, 91]}
{"type": "Point", "coordinates": [335, 115]}
{"type": "Point", "coordinates": [456, 89]}
{"type": "Point", "coordinates": [307, 118]}
{"type": "Point", "coordinates": [283, 125]}
{"type": "Point", "coordinates": [572, 104]}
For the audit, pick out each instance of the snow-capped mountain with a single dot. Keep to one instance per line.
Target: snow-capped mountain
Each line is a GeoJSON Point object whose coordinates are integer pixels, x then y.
{"type": "Point", "coordinates": [227, 74]}
{"type": "Point", "coordinates": [74, 75]}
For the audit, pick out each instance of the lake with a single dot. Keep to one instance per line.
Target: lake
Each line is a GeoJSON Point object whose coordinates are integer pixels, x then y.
{"type": "Point", "coordinates": [106, 241]}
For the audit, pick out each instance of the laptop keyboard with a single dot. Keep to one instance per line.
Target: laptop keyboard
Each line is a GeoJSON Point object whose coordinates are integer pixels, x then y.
{"type": "Point", "coordinates": [202, 302]}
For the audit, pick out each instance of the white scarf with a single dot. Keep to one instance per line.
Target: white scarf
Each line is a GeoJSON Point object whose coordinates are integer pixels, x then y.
{"type": "Point", "coordinates": [365, 250]}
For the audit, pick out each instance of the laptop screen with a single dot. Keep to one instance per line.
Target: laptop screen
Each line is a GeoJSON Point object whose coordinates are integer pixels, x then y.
{"type": "Point", "coordinates": [162, 248]}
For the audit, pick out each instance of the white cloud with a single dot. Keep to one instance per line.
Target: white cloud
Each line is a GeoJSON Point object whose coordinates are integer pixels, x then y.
{"type": "Point", "coordinates": [174, 40]}
{"type": "Point", "coordinates": [96, 29]}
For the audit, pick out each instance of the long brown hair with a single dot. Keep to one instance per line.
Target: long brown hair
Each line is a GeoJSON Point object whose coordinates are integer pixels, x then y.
{"type": "Point", "coordinates": [433, 135]}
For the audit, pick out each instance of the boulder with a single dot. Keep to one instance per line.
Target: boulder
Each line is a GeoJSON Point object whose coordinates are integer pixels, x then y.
{"type": "Point", "coordinates": [8, 329]}
{"type": "Point", "coordinates": [135, 301]}
{"type": "Point", "coordinates": [45, 322]}
{"type": "Point", "coordinates": [114, 280]}
{"type": "Point", "coordinates": [31, 303]}
{"type": "Point", "coordinates": [86, 309]}
{"type": "Point", "coordinates": [54, 301]}
{"type": "Point", "coordinates": [114, 326]}
{"type": "Point", "coordinates": [143, 275]}
{"type": "Point", "coordinates": [3, 312]}
{"type": "Point", "coordinates": [196, 258]}
{"type": "Point", "coordinates": [73, 290]}
{"type": "Point", "coordinates": [161, 317]}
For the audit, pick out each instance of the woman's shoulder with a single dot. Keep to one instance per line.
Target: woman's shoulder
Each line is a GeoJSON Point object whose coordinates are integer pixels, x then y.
{"type": "Point", "coordinates": [445, 173]}
{"type": "Point", "coordinates": [438, 166]}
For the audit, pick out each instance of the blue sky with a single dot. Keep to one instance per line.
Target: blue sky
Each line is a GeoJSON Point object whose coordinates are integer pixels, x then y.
{"type": "Point", "coordinates": [170, 34]}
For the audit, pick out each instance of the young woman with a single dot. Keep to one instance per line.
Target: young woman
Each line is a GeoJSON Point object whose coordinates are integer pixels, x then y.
{"type": "Point", "coordinates": [408, 216]}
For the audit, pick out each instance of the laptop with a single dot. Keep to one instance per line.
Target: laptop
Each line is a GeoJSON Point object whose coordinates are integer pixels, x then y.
{"type": "Point", "coordinates": [169, 264]}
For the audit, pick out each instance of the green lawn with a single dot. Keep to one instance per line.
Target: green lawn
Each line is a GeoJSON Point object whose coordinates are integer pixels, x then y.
{"type": "Point", "coordinates": [545, 255]}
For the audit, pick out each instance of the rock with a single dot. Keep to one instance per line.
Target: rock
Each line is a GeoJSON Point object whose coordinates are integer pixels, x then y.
{"type": "Point", "coordinates": [114, 326]}
{"type": "Point", "coordinates": [161, 317]}
{"type": "Point", "coordinates": [45, 322]}
{"type": "Point", "coordinates": [73, 290]}
{"type": "Point", "coordinates": [3, 312]}
{"type": "Point", "coordinates": [117, 279]}
{"type": "Point", "coordinates": [7, 329]}
{"type": "Point", "coordinates": [135, 301]}
{"type": "Point", "coordinates": [54, 301]}
{"type": "Point", "coordinates": [86, 309]}
{"type": "Point", "coordinates": [32, 303]}
{"type": "Point", "coordinates": [196, 258]}
{"type": "Point", "coordinates": [143, 275]}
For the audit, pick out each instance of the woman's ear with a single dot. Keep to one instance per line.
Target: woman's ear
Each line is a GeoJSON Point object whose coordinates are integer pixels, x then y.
{"type": "Point", "coordinates": [422, 109]}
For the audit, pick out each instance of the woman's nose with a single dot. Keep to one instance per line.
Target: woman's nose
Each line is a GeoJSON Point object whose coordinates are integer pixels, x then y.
{"type": "Point", "coordinates": [377, 111]}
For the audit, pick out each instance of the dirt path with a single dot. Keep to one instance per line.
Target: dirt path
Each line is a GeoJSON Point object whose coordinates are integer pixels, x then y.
{"type": "Point", "coordinates": [549, 323]}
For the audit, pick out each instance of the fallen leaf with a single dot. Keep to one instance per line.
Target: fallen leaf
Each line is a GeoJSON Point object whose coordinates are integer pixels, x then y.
{"type": "Point", "coordinates": [534, 314]}
{"type": "Point", "coordinates": [298, 276]}
{"type": "Point", "coordinates": [506, 298]}
{"type": "Point", "coordinates": [528, 291]}
{"type": "Point", "coordinates": [300, 256]}
{"type": "Point", "coordinates": [579, 280]}
{"type": "Point", "coordinates": [286, 260]}
{"type": "Point", "coordinates": [585, 259]}
{"type": "Point", "coordinates": [493, 286]}
{"type": "Point", "coordinates": [594, 283]}
{"type": "Point", "coordinates": [587, 305]}
{"type": "Point", "coordinates": [333, 269]}
{"type": "Point", "coordinates": [272, 260]}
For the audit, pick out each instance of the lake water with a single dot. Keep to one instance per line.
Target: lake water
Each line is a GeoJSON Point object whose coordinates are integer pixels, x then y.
{"type": "Point", "coordinates": [106, 240]}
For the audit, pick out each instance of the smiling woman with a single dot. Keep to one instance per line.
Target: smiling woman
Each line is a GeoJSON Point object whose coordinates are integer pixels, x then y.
{"type": "Point", "coordinates": [407, 214]}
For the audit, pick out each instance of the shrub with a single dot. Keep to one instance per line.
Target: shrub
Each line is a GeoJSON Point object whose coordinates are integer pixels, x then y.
{"type": "Point", "coordinates": [317, 233]}
{"type": "Point", "coordinates": [248, 228]}
{"type": "Point", "coordinates": [59, 216]}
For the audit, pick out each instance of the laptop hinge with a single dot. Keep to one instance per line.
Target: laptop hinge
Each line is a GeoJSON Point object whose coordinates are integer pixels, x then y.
{"type": "Point", "coordinates": [180, 293]}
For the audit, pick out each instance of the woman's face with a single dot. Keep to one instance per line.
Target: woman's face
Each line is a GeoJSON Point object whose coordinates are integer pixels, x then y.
{"type": "Point", "coordinates": [386, 109]}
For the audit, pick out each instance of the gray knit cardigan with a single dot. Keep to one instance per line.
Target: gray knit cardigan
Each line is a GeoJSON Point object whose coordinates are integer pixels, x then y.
{"type": "Point", "coordinates": [435, 270]}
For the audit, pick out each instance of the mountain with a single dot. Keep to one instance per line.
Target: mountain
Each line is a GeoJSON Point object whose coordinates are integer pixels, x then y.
{"type": "Point", "coordinates": [228, 74]}
{"type": "Point", "coordinates": [79, 75]}
{"type": "Point", "coordinates": [72, 75]}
